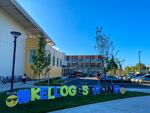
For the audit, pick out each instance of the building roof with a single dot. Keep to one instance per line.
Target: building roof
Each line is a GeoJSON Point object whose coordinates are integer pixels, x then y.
{"type": "Point", "coordinates": [16, 11]}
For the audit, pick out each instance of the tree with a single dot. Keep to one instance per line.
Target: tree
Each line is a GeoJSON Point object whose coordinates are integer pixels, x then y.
{"type": "Point", "coordinates": [138, 66]}
{"type": "Point", "coordinates": [112, 65]}
{"type": "Point", "coordinates": [104, 46]}
{"type": "Point", "coordinates": [128, 69]}
{"type": "Point", "coordinates": [41, 58]}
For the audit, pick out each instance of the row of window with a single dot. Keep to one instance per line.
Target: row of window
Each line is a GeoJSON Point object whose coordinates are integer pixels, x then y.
{"type": "Point", "coordinates": [56, 61]}
{"type": "Point", "coordinates": [84, 57]}
{"type": "Point", "coordinates": [53, 60]}
{"type": "Point", "coordinates": [85, 60]}
{"type": "Point", "coordinates": [84, 65]}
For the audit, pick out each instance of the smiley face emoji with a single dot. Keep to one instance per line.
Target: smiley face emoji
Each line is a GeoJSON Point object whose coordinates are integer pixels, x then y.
{"type": "Point", "coordinates": [11, 101]}
{"type": "Point", "coordinates": [122, 90]}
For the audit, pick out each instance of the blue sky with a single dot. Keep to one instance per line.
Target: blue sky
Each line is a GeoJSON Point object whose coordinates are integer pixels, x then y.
{"type": "Point", "coordinates": [72, 24]}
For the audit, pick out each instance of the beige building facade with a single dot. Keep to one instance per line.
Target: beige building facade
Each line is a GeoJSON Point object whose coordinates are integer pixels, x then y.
{"type": "Point", "coordinates": [14, 18]}
{"type": "Point", "coordinates": [56, 59]}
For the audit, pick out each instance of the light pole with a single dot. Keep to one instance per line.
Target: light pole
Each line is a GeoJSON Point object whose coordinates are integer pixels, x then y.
{"type": "Point", "coordinates": [140, 60]}
{"type": "Point", "coordinates": [15, 35]}
{"type": "Point", "coordinates": [120, 66]}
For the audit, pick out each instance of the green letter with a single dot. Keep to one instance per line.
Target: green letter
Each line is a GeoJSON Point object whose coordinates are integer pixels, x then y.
{"type": "Point", "coordinates": [62, 92]}
{"type": "Point", "coordinates": [72, 90]}
{"type": "Point", "coordinates": [85, 90]}
{"type": "Point", "coordinates": [34, 94]}
{"type": "Point", "coordinates": [50, 93]}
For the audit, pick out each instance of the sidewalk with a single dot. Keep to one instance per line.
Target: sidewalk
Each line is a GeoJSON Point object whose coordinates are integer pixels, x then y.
{"type": "Point", "coordinates": [128, 105]}
{"type": "Point", "coordinates": [5, 87]}
{"type": "Point", "coordinates": [139, 90]}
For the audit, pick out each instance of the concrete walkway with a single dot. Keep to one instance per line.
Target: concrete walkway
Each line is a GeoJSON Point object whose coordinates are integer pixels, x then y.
{"type": "Point", "coordinates": [147, 90]}
{"type": "Point", "coordinates": [5, 87]}
{"type": "Point", "coordinates": [128, 105]}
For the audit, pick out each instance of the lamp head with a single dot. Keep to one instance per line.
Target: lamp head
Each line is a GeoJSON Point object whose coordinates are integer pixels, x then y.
{"type": "Point", "coordinates": [15, 34]}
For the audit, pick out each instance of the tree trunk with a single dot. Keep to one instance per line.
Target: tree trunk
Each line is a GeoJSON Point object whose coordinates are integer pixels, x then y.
{"type": "Point", "coordinates": [103, 66]}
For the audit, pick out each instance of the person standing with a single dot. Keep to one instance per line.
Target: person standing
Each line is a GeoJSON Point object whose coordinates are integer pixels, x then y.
{"type": "Point", "coordinates": [24, 79]}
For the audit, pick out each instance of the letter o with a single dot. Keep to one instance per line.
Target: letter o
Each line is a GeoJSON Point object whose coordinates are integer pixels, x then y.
{"type": "Point", "coordinates": [64, 91]}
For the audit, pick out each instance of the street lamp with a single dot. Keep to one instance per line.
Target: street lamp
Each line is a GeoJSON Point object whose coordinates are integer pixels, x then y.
{"type": "Point", "coordinates": [15, 35]}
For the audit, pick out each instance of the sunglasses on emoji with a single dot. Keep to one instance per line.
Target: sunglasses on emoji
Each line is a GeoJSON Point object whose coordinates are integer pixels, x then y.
{"type": "Point", "coordinates": [12, 99]}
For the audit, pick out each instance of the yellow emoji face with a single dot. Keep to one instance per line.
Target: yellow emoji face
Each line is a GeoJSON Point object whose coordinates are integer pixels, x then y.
{"type": "Point", "coordinates": [122, 90]}
{"type": "Point", "coordinates": [11, 101]}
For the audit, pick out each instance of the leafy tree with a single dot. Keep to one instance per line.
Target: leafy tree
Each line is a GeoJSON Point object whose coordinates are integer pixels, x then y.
{"type": "Point", "coordinates": [112, 65]}
{"type": "Point", "coordinates": [136, 68]}
{"type": "Point", "coordinates": [41, 58]}
{"type": "Point", "coordinates": [104, 46]}
{"type": "Point", "coordinates": [130, 69]}
{"type": "Point", "coordinates": [127, 69]}
{"type": "Point", "coordinates": [142, 66]}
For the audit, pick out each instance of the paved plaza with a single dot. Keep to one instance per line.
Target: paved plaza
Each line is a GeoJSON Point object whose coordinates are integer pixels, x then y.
{"type": "Point", "coordinates": [5, 87]}
{"type": "Point", "coordinates": [128, 105]}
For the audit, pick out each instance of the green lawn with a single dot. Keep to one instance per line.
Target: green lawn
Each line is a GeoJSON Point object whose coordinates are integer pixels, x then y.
{"type": "Point", "coordinates": [52, 82]}
{"type": "Point", "coordinates": [58, 82]}
{"type": "Point", "coordinates": [61, 103]}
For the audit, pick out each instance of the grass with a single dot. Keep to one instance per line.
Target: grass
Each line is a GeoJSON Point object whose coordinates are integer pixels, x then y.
{"type": "Point", "coordinates": [61, 103]}
{"type": "Point", "coordinates": [52, 82]}
{"type": "Point", "coordinates": [58, 82]}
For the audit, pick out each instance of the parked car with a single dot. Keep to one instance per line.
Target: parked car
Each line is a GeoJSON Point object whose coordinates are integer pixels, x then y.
{"type": "Point", "coordinates": [129, 77]}
{"type": "Point", "coordinates": [136, 77]}
{"type": "Point", "coordinates": [144, 79]}
{"type": "Point", "coordinates": [111, 78]}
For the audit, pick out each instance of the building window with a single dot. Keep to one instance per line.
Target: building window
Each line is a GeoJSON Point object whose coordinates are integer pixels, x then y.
{"type": "Point", "coordinates": [50, 59]}
{"type": "Point", "coordinates": [30, 56]}
{"type": "Point", "coordinates": [53, 60]}
{"type": "Point", "coordinates": [57, 62]}
{"type": "Point", "coordinates": [60, 62]}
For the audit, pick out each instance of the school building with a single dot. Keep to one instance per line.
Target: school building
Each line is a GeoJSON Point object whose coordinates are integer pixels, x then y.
{"type": "Point", "coordinates": [14, 18]}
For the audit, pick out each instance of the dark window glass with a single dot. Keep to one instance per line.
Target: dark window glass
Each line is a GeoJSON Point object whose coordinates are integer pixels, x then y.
{"type": "Point", "coordinates": [57, 62]}
{"type": "Point", "coordinates": [53, 60]}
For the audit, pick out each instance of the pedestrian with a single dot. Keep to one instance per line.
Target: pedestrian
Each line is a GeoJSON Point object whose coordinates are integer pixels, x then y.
{"type": "Point", "coordinates": [98, 76]}
{"type": "Point", "coordinates": [24, 79]}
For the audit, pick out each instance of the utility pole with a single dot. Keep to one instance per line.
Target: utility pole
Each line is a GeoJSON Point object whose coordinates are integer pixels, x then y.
{"type": "Point", "coordinates": [139, 60]}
